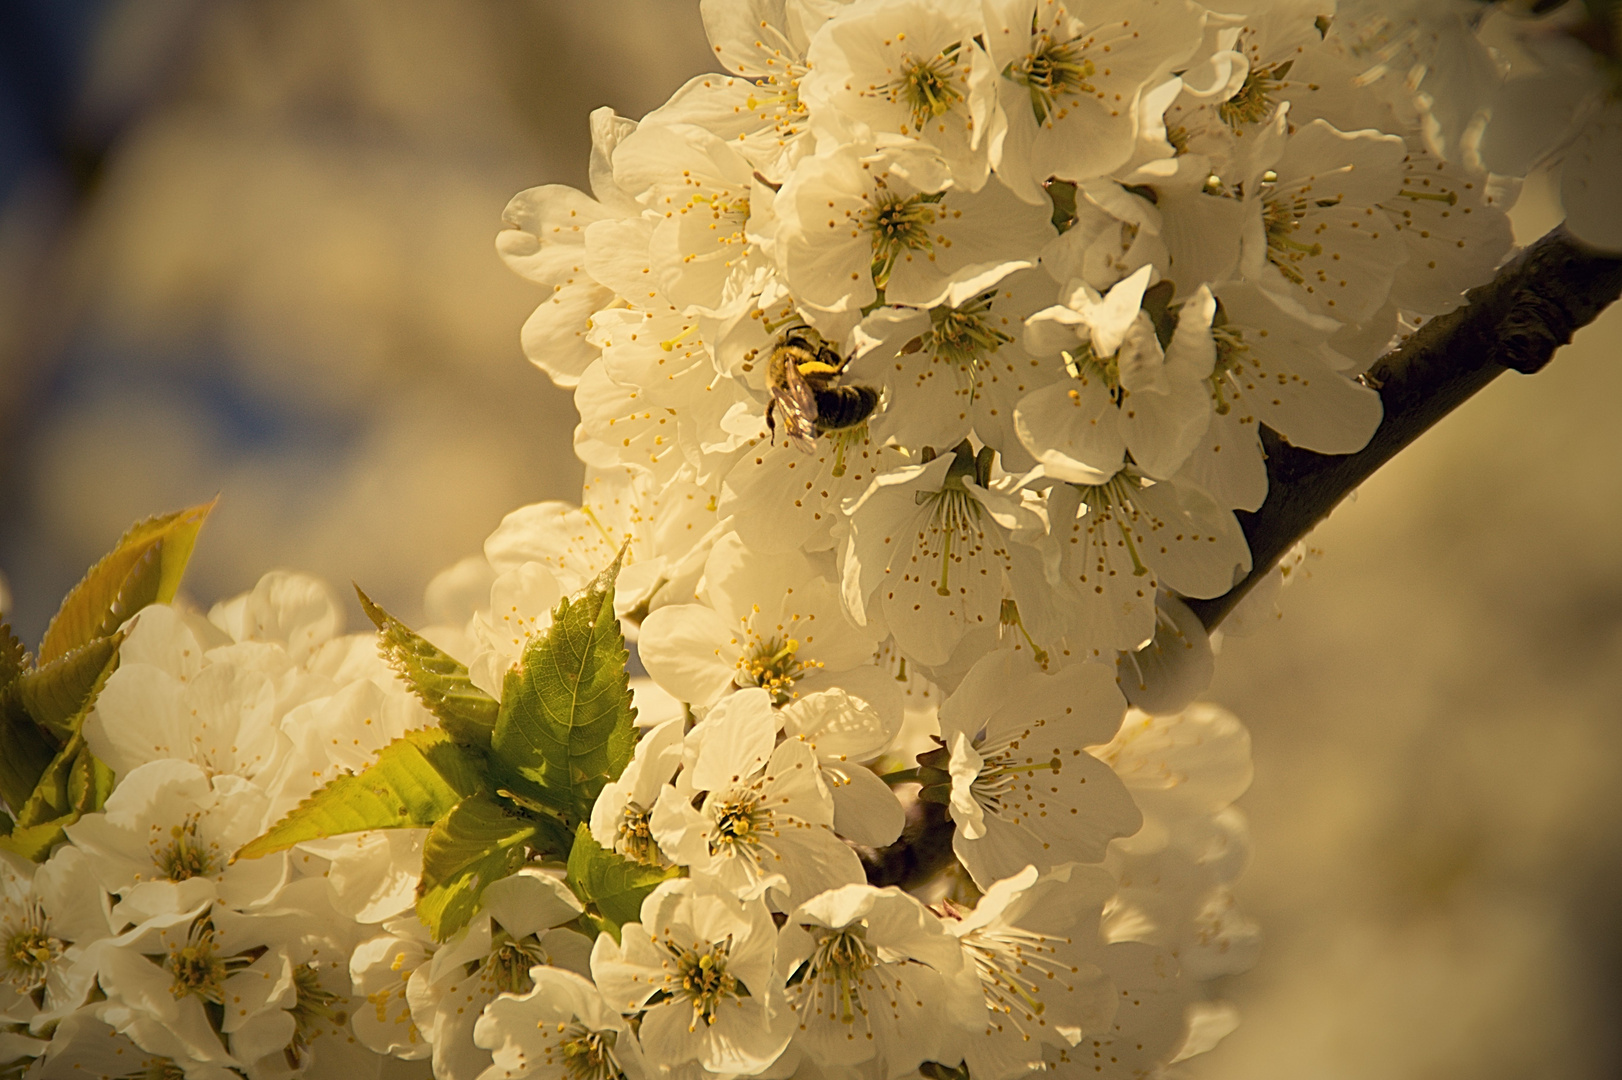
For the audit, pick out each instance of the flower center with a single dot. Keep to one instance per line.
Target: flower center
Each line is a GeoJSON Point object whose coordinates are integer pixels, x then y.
{"type": "Point", "coordinates": [1083, 363]}
{"type": "Point", "coordinates": [927, 87]}
{"type": "Point", "coordinates": [1230, 357]}
{"type": "Point", "coordinates": [777, 97]}
{"type": "Point", "coordinates": [510, 961]}
{"type": "Point", "coordinates": [313, 1006]}
{"type": "Point", "coordinates": [1052, 70]}
{"type": "Point", "coordinates": [1004, 770]}
{"type": "Point", "coordinates": [634, 838]}
{"type": "Point", "coordinates": [771, 665]}
{"type": "Point", "coordinates": [704, 979]}
{"type": "Point", "coordinates": [1254, 102]}
{"type": "Point", "coordinates": [30, 949]}
{"type": "Point", "coordinates": [963, 335]}
{"type": "Point", "coordinates": [834, 973]}
{"type": "Point", "coordinates": [198, 969]}
{"type": "Point", "coordinates": [587, 1054]}
{"type": "Point", "coordinates": [187, 856]}
{"type": "Point", "coordinates": [738, 823]}
{"type": "Point", "coordinates": [1281, 218]}
{"type": "Point", "coordinates": [1014, 965]}
{"type": "Point", "coordinates": [953, 517]}
{"type": "Point", "coordinates": [898, 224]}
{"type": "Point", "coordinates": [729, 216]}
{"type": "Point", "coordinates": [1108, 500]}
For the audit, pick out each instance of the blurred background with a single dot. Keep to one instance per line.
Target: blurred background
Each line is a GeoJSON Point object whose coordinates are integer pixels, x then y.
{"type": "Point", "coordinates": [246, 249]}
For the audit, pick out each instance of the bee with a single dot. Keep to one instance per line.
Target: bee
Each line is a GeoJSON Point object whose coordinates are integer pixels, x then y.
{"type": "Point", "coordinates": [803, 374]}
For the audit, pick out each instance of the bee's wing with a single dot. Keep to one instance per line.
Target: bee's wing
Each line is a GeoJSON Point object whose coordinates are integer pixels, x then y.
{"type": "Point", "coordinates": [797, 404]}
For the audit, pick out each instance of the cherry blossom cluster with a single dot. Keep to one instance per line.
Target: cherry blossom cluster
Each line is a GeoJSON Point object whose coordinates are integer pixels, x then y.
{"type": "Point", "coordinates": [141, 947]}
{"type": "Point", "coordinates": [922, 358]}
{"type": "Point", "coordinates": [1061, 262]}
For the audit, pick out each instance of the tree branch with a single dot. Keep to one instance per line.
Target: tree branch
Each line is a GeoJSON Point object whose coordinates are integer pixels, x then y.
{"type": "Point", "coordinates": [1513, 323]}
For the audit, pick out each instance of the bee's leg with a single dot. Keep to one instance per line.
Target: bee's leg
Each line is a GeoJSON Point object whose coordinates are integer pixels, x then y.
{"type": "Point", "coordinates": [771, 423]}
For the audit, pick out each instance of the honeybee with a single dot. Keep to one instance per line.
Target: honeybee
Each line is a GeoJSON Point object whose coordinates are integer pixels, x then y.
{"type": "Point", "coordinates": [803, 375]}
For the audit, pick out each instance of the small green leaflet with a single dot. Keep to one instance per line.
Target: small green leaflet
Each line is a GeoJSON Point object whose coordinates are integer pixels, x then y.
{"type": "Point", "coordinates": [48, 777]}
{"type": "Point", "coordinates": [13, 657]}
{"type": "Point", "coordinates": [478, 842]}
{"type": "Point", "coordinates": [415, 781]}
{"type": "Point", "coordinates": [26, 750]}
{"type": "Point", "coordinates": [438, 679]}
{"type": "Point", "coordinates": [566, 719]}
{"type": "Point", "coordinates": [75, 783]}
{"type": "Point", "coordinates": [145, 568]}
{"type": "Point", "coordinates": [58, 695]}
{"type": "Point", "coordinates": [496, 785]}
{"type": "Point", "coordinates": [610, 883]}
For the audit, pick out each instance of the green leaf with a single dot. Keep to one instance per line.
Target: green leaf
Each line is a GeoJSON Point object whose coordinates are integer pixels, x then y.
{"type": "Point", "coordinates": [34, 842]}
{"type": "Point", "coordinates": [75, 783]}
{"type": "Point", "coordinates": [1062, 193]}
{"type": "Point", "coordinates": [612, 884]}
{"type": "Point", "coordinates": [144, 568]}
{"type": "Point", "coordinates": [415, 781]}
{"type": "Point", "coordinates": [478, 842]}
{"type": "Point", "coordinates": [89, 783]}
{"type": "Point", "coordinates": [59, 694]}
{"type": "Point", "coordinates": [566, 718]}
{"type": "Point", "coordinates": [26, 751]}
{"type": "Point", "coordinates": [13, 657]}
{"type": "Point", "coordinates": [438, 679]}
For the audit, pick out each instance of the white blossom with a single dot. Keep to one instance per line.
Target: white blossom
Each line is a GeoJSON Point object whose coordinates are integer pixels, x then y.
{"type": "Point", "coordinates": [562, 1029]}
{"type": "Point", "coordinates": [1032, 944]}
{"type": "Point", "coordinates": [1024, 789]}
{"type": "Point", "coordinates": [711, 960]}
{"type": "Point", "coordinates": [875, 982]}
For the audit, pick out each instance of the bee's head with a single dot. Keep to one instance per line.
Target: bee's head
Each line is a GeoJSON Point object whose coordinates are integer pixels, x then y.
{"type": "Point", "coordinates": [802, 337]}
{"type": "Point", "coordinates": [812, 344]}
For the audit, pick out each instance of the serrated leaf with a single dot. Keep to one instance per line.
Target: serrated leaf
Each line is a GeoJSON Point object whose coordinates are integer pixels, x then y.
{"type": "Point", "coordinates": [59, 694]}
{"type": "Point", "coordinates": [144, 568]}
{"type": "Point", "coordinates": [566, 718]}
{"type": "Point", "coordinates": [612, 884]}
{"type": "Point", "coordinates": [13, 657]}
{"type": "Point", "coordinates": [415, 781]}
{"type": "Point", "coordinates": [439, 680]}
{"type": "Point", "coordinates": [89, 783]}
{"type": "Point", "coordinates": [26, 751]}
{"type": "Point", "coordinates": [478, 842]}
{"type": "Point", "coordinates": [75, 783]}
{"type": "Point", "coordinates": [34, 842]}
{"type": "Point", "coordinates": [51, 800]}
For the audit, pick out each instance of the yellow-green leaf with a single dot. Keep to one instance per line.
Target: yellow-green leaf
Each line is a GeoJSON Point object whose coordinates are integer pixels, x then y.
{"type": "Point", "coordinates": [415, 781]}
{"type": "Point", "coordinates": [611, 884]}
{"type": "Point", "coordinates": [34, 842]}
{"type": "Point", "coordinates": [144, 568]}
{"type": "Point", "coordinates": [13, 657]}
{"type": "Point", "coordinates": [478, 842]}
{"type": "Point", "coordinates": [566, 718]}
{"type": "Point", "coordinates": [438, 679]}
{"type": "Point", "coordinates": [59, 694]}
